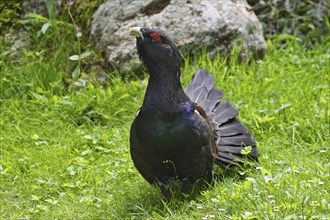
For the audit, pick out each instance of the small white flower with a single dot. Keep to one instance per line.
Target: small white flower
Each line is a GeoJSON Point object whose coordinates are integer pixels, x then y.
{"type": "Point", "coordinates": [199, 206]}
{"type": "Point", "coordinates": [215, 200]}
{"type": "Point", "coordinates": [313, 203]}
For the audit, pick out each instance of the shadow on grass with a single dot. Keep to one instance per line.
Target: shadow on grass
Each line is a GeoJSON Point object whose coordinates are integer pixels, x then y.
{"type": "Point", "coordinates": [144, 199]}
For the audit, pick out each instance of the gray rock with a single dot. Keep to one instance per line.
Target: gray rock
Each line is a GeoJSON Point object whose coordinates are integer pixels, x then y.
{"type": "Point", "coordinates": [191, 24]}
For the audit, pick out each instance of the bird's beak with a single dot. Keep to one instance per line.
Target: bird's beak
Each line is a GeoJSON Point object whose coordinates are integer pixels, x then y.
{"type": "Point", "coordinates": [136, 31]}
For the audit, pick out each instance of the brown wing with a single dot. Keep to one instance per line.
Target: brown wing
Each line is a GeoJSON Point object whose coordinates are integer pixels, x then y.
{"type": "Point", "coordinates": [202, 113]}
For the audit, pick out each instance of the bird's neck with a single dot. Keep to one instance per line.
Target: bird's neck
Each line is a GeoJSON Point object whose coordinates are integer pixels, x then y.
{"type": "Point", "coordinates": [164, 90]}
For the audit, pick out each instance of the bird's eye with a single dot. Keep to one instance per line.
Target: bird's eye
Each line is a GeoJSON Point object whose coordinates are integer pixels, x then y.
{"type": "Point", "coordinates": [156, 37]}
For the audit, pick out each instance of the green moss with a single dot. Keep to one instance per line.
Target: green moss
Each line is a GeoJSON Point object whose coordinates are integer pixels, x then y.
{"type": "Point", "coordinates": [9, 13]}
{"type": "Point", "coordinates": [84, 11]}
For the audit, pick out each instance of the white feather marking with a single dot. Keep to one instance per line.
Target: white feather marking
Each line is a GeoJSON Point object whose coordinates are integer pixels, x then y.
{"type": "Point", "coordinates": [137, 113]}
{"type": "Point", "coordinates": [197, 112]}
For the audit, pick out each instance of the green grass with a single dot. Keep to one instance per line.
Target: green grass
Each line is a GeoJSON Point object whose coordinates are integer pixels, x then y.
{"type": "Point", "coordinates": [65, 155]}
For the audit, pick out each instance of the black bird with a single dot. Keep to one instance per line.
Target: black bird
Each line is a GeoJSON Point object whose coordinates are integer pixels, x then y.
{"type": "Point", "coordinates": [178, 134]}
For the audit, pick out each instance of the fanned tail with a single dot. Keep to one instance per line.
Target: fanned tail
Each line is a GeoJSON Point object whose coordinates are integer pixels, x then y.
{"type": "Point", "coordinates": [232, 137]}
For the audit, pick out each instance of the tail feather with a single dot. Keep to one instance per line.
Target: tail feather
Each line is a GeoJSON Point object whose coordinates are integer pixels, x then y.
{"type": "Point", "coordinates": [226, 160]}
{"type": "Point", "coordinates": [240, 140]}
{"type": "Point", "coordinates": [200, 94]}
{"type": "Point", "coordinates": [231, 149]}
{"type": "Point", "coordinates": [205, 104]}
{"type": "Point", "coordinates": [224, 112]}
{"type": "Point", "coordinates": [231, 136]}
{"type": "Point", "coordinates": [231, 128]}
{"type": "Point", "coordinates": [214, 96]}
{"type": "Point", "coordinates": [203, 78]}
{"type": "Point", "coordinates": [190, 90]}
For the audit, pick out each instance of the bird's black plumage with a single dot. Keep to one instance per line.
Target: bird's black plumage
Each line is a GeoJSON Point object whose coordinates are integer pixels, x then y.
{"type": "Point", "coordinates": [178, 134]}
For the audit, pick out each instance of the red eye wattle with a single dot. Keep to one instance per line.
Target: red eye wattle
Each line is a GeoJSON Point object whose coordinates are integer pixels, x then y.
{"type": "Point", "coordinates": [156, 37]}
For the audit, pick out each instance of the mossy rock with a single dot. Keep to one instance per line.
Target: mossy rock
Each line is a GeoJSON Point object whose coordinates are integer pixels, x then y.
{"type": "Point", "coordinates": [10, 12]}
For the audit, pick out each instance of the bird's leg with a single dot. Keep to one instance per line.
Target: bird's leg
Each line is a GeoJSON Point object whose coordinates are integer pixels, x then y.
{"type": "Point", "coordinates": [165, 190]}
{"type": "Point", "coordinates": [186, 185]}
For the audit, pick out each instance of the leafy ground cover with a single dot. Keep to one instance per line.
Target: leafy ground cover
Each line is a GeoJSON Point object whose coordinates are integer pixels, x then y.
{"type": "Point", "coordinates": [65, 155]}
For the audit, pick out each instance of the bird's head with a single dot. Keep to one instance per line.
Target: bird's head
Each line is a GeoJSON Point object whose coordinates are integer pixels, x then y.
{"type": "Point", "coordinates": [155, 48]}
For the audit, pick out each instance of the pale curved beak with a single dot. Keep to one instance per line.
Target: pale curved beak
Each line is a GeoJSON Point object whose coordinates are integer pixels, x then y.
{"type": "Point", "coordinates": [136, 32]}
